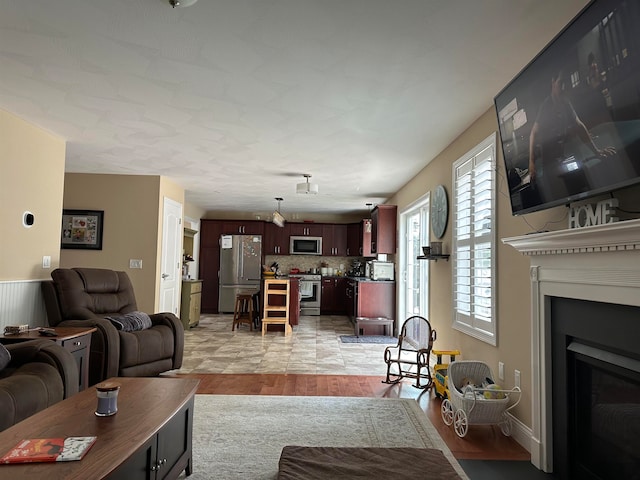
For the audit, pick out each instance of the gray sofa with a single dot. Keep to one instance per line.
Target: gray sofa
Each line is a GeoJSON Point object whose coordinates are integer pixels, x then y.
{"type": "Point", "coordinates": [39, 374]}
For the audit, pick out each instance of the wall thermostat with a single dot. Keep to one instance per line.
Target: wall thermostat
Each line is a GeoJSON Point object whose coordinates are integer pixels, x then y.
{"type": "Point", "coordinates": [28, 219]}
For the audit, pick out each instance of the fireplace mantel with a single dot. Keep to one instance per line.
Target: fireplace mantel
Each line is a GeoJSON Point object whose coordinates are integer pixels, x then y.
{"type": "Point", "coordinates": [598, 238]}
{"type": "Point", "coordinates": [599, 263]}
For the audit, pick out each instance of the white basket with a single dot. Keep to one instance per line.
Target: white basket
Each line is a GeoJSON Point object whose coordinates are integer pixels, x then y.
{"type": "Point", "coordinates": [467, 404]}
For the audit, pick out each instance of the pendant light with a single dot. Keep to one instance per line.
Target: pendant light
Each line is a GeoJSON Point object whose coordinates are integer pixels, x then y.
{"type": "Point", "coordinates": [277, 218]}
{"type": "Point", "coordinates": [306, 187]}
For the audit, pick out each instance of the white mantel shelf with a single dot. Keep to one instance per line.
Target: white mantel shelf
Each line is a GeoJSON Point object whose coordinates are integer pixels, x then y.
{"type": "Point", "coordinates": [618, 236]}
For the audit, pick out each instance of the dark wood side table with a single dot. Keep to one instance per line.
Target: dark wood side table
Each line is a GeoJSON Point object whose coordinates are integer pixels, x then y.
{"type": "Point", "coordinates": [76, 340]}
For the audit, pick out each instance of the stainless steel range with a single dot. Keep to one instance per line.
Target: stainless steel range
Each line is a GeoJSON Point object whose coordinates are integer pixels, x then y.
{"type": "Point", "coordinates": [310, 288]}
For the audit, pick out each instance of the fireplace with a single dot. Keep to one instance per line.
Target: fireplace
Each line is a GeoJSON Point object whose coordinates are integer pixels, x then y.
{"type": "Point", "coordinates": [596, 389]}
{"type": "Point", "coordinates": [585, 318]}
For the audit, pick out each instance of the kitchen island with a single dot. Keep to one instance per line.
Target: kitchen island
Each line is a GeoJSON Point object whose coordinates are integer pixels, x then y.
{"type": "Point", "coordinates": [373, 299]}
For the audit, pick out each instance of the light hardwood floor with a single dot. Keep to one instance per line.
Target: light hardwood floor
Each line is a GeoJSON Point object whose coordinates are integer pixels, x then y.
{"type": "Point", "coordinates": [315, 362]}
{"type": "Point", "coordinates": [482, 442]}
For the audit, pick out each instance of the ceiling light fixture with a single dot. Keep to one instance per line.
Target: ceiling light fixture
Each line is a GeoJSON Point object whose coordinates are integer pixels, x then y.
{"type": "Point", "coordinates": [307, 187]}
{"type": "Point", "coordinates": [277, 218]}
{"type": "Point", "coordinates": [181, 3]}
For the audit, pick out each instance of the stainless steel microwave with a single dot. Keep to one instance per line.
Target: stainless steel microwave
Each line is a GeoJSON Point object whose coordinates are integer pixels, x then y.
{"type": "Point", "coordinates": [305, 245]}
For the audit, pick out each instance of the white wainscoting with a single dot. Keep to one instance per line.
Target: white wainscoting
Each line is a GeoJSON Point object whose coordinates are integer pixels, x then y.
{"type": "Point", "coordinates": [21, 303]}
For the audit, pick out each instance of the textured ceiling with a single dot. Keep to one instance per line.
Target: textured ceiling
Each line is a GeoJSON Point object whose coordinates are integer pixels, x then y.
{"type": "Point", "coordinates": [236, 99]}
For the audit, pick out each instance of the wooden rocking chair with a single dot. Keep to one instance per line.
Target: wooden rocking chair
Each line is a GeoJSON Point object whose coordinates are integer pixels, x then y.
{"type": "Point", "coordinates": [410, 357]}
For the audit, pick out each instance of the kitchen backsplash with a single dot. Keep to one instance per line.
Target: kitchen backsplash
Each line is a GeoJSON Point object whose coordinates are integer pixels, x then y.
{"type": "Point", "coordinates": [306, 262]}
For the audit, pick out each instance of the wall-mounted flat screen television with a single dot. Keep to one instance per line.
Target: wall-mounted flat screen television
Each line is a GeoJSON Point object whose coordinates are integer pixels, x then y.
{"type": "Point", "coordinates": [570, 121]}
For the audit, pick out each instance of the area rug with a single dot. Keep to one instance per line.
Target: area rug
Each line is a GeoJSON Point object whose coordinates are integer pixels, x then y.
{"type": "Point", "coordinates": [369, 339]}
{"type": "Point", "coordinates": [242, 436]}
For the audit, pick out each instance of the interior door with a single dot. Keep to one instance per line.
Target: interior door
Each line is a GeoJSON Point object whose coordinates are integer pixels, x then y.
{"type": "Point", "coordinates": [170, 273]}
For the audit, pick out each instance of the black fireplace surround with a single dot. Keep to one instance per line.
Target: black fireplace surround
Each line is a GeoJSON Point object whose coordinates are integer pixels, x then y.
{"type": "Point", "coordinates": [595, 389]}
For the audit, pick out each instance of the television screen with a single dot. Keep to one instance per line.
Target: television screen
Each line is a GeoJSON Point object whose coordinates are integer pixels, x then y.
{"type": "Point", "coordinates": [570, 121]}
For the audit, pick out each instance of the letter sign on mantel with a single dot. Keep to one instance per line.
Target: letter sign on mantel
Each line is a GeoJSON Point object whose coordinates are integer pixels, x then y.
{"type": "Point", "coordinates": [585, 216]}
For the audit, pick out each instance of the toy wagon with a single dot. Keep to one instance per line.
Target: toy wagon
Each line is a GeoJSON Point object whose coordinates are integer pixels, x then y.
{"type": "Point", "coordinates": [474, 400]}
{"type": "Point", "coordinates": [440, 372]}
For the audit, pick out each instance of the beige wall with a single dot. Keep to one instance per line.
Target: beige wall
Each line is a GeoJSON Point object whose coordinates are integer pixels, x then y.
{"type": "Point", "coordinates": [513, 296]}
{"type": "Point", "coordinates": [132, 207]}
{"type": "Point", "coordinates": [31, 179]}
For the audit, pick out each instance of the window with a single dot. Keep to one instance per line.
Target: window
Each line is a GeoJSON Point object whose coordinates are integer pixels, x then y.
{"type": "Point", "coordinates": [473, 248]}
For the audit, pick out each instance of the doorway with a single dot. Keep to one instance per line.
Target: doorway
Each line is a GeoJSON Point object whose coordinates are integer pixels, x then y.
{"type": "Point", "coordinates": [171, 261]}
{"type": "Point", "coordinates": [414, 274]}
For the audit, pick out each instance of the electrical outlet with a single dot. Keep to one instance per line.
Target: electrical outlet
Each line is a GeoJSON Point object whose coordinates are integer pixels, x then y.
{"type": "Point", "coordinates": [46, 261]}
{"type": "Point", "coordinates": [517, 379]}
{"type": "Point", "coordinates": [500, 370]}
{"type": "Point", "coordinates": [134, 263]}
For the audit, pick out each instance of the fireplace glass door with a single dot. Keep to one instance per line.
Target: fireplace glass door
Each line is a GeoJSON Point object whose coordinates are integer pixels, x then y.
{"type": "Point", "coordinates": [606, 416]}
{"type": "Point", "coordinates": [596, 389]}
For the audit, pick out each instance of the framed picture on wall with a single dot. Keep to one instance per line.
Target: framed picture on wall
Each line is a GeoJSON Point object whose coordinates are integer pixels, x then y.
{"type": "Point", "coordinates": [82, 229]}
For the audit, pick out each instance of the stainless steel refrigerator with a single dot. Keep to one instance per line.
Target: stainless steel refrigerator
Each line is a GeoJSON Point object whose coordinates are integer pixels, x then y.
{"type": "Point", "coordinates": [240, 267]}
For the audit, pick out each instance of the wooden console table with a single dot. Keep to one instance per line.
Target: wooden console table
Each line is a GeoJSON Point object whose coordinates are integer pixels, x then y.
{"type": "Point", "coordinates": [148, 438]}
{"type": "Point", "coordinates": [75, 339]}
{"type": "Point", "coordinates": [387, 323]}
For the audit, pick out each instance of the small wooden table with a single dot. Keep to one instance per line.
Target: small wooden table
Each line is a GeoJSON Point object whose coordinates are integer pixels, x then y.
{"type": "Point", "coordinates": [149, 437]}
{"type": "Point", "coordinates": [75, 339]}
{"type": "Point", "coordinates": [387, 323]}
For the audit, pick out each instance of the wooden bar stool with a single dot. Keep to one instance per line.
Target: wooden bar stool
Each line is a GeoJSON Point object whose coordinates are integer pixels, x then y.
{"type": "Point", "coordinates": [243, 311]}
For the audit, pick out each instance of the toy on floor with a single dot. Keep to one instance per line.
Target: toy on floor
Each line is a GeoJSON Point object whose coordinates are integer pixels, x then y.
{"type": "Point", "coordinates": [474, 399]}
{"type": "Point", "coordinates": [440, 371]}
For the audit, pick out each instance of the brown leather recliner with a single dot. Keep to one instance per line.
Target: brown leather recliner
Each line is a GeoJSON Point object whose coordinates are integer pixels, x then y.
{"type": "Point", "coordinates": [39, 374]}
{"type": "Point", "coordinates": [81, 297]}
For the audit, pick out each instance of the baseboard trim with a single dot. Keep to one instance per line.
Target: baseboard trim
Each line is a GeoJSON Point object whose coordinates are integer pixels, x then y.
{"type": "Point", "coordinates": [520, 433]}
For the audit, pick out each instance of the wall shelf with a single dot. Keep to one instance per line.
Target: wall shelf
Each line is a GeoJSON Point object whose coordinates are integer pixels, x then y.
{"type": "Point", "coordinates": [435, 258]}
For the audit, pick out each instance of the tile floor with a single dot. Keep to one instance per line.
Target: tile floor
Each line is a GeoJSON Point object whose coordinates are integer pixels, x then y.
{"type": "Point", "coordinates": [314, 348]}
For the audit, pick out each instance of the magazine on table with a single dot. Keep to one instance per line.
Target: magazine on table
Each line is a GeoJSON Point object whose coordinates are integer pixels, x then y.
{"type": "Point", "coordinates": [49, 450]}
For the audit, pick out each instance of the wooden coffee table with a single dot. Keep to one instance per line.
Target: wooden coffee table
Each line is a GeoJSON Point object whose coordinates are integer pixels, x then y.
{"type": "Point", "coordinates": [149, 436]}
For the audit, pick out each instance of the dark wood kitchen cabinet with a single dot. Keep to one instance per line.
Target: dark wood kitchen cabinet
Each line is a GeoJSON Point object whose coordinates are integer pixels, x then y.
{"type": "Point", "coordinates": [242, 227]}
{"type": "Point", "coordinates": [334, 240]}
{"type": "Point", "coordinates": [359, 239]}
{"type": "Point", "coordinates": [383, 229]}
{"type": "Point", "coordinates": [210, 231]}
{"type": "Point", "coordinates": [305, 229]}
{"type": "Point", "coordinates": [371, 299]}
{"type": "Point", "coordinates": [294, 301]}
{"type": "Point", "coordinates": [276, 239]}
{"type": "Point", "coordinates": [351, 297]}
{"type": "Point", "coordinates": [333, 297]}
{"type": "Point", "coordinates": [209, 267]}
{"type": "Point", "coordinates": [209, 264]}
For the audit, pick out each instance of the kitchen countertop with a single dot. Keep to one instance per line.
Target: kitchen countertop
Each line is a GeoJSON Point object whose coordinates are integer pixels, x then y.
{"type": "Point", "coordinates": [357, 279]}
{"type": "Point", "coordinates": [365, 279]}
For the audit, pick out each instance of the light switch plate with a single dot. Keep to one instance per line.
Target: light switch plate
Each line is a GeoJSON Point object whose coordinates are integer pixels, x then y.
{"type": "Point", "coordinates": [46, 261]}
{"type": "Point", "coordinates": [135, 263]}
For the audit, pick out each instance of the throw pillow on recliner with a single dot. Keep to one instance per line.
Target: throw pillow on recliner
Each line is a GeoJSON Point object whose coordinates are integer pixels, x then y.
{"type": "Point", "coordinates": [131, 322]}
{"type": "Point", "coordinates": [5, 357]}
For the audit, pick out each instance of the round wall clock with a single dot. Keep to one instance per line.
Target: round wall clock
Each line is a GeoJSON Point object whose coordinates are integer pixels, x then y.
{"type": "Point", "coordinates": [439, 211]}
